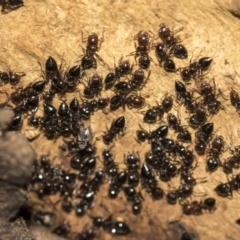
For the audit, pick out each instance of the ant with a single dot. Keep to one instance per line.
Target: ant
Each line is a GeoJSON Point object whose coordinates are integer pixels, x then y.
{"type": "Point", "coordinates": [174, 123]}
{"type": "Point", "coordinates": [210, 98]}
{"type": "Point", "coordinates": [199, 117]}
{"type": "Point", "coordinates": [10, 5]}
{"type": "Point", "coordinates": [184, 191]}
{"type": "Point", "coordinates": [110, 166]}
{"type": "Point", "coordinates": [117, 127]}
{"type": "Point", "coordinates": [185, 97]}
{"type": "Point", "coordinates": [167, 36]}
{"type": "Point", "coordinates": [195, 68]}
{"type": "Point", "coordinates": [235, 100]}
{"type": "Point", "coordinates": [157, 112]}
{"type": "Point", "coordinates": [203, 136]}
{"type": "Point", "coordinates": [94, 86]}
{"type": "Point", "coordinates": [135, 101]}
{"type": "Point", "coordinates": [51, 70]}
{"type": "Point", "coordinates": [232, 162]}
{"type": "Point", "coordinates": [142, 49]}
{"type": "Point", "coordinates": [138, 80]}
{"type": "Point", "coordinates": [109, 80]}
{"type": "Point", "coordinates": [93, 45]}
{"type": "Point", "coordinates": [117, 183]}
{"type": "Point", "coordinates": [122, 88]}
{"type": "Point", "coordinates": [196, 208]}
{"type": "Point", "coordinates": [112, 226]}
{"type": "Point", "coordinates": [157, 134]}
{"type": "Point", "coordinates": [132, 101]}
{"type": "Point", "coordinates": [10, 77]}
{"type": "Point", "coordinates": [214, 152]}
{"type": "Point", "coordinates": [133, 165]}
{"type": "Point", "coordinates": [224, 190]}
{"type": "Point", "coordinates": [123, 68]}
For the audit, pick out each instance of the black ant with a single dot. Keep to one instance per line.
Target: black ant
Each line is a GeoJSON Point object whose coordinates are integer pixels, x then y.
{"type": "Point", "coordinates": [94, 86]}
{"type": "Point", "coordinates": [116, 128]}
{"type": "Point", "coordinates": [167, 36]}
{"type": "Point", "coordinates": [138, 80]}
{"type": "Point", "coordinates": [10, 77]}
{"type": "Point", "coordinates": [196, 208]}
{"type": "Point", "coordinates": [214, 152]}
{"type": "Point", "coordinates": [174, 123]}
{"type": "Point", "coordinates": [224, 190]}
{"type": "Point", "coordinates": [210, 98]}
{"type": "Point", "coordinates": [132, 101]}
{"type": "Point", "coordinates": [135, 101]}
{"type": "Point", "coordinates": [157, 112]}
{"type": "Point", "coordinates": [158, 134]}
{"type": "Point", "coordinates": [203, 136]}
{"type": "Point", "coordinates": [109, 80]}
{"type": "Point", "coordinates": [123, 68]}
{"type": "Point", "coordinates": [235, 100]}
{"type": "Point", "coordinates": [93, 45]}
{"type": "Point", "coordinates": [199, 117]}
{"type": "Point", "coordinates": [195, 68]}
{"type": "Point", "coordinates": [122, 88]}
{"type": "Point", "coordinates": [10, 5]}
{"type": "Point", "coordinates": [109, 165]}
{"type": "Point", "coordinates": [142, 49]}
{"type": "Point", "coordinates": [232, 162]}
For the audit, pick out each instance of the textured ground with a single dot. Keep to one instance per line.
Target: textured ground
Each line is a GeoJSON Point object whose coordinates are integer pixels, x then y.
{"type": "Point", "coordinates": [43, 28]}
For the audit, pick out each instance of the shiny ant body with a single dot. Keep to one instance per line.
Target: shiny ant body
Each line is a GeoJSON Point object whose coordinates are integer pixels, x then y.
{"type": "Point", "coordinates": [157, 134]}
{"type": "Point", "coordinates": [10, 77]}
{"type": "Point", "coordinates": [123, 68]}
{"type": "Point", "coordinates": [217, 147]}
{"type": "Point", "coordinates": [156, 112]}
{"type": "Point", "coordinates": [138, 80]}
{"type": "Point", "coordinates": [93, 45]}
{"type": "Point", "coordinates": [203, 136]}
{"type": "Point", "coordinates": [232, 162]}
{"type": "Point", "coordinates": [210, 98]}
{"type": "Point", "coordinates": [197, 208]}
{"type": "Point", "coordinates": [94, 87]}
{"type": "Point", "coordinates": [195, 69]}
{"type": "Point", "coordinates": [131, 101]}
{"type": "Point", "coordinates": [11, 5]}
{"type": "Point", "coordinates": [117, 127]}
{"type": "Point", "coordinates": [174, 123]}
{"type": "Point", "coordinates": [142, 49]}
{"type": "Point", "coordinates": [235, 100]}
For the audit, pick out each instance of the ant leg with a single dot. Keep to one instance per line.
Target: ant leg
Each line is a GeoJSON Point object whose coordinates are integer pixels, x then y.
{"type": "Point", "coordinates": [83, 39]}
{"type": "Point", "coordinates": [101, 40]}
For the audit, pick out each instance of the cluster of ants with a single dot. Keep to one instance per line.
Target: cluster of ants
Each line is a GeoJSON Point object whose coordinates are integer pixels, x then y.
{"type": "Point", "coordinates": [166, 158]}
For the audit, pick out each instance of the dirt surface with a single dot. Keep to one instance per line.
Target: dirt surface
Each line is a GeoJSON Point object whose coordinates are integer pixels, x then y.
{"type": "Point", "coordinates": [53, 28]}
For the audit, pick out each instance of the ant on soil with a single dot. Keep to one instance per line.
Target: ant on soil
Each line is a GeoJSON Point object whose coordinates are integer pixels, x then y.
{"type": "Point", "coordinates": [157, 112]}
{"type": "Point", "coordinates": [94, 86]}
{"type": "Point", "coordinates": [195, 69]}
{"type": "Point", "coordinates": [142, 49]}
{"type": "Point", "coordinates": [217, 147]}
{"type": "Point", "coordinates": [11, 5]}
{"type": "Point", "coordinates": [93, 46]}
{"type": "Point", "coordinates": [123, 68]}
{"type": "Point", "coordinates": [132, 101]}
{"type": "Point", "coordinates": [117, 128]}
{"type": "Point", "coordinates": [196, 208]}
{"type": "Point", "coordinates": [235, 100]}
{"type": "Point", "coordinates": [10, 77]}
